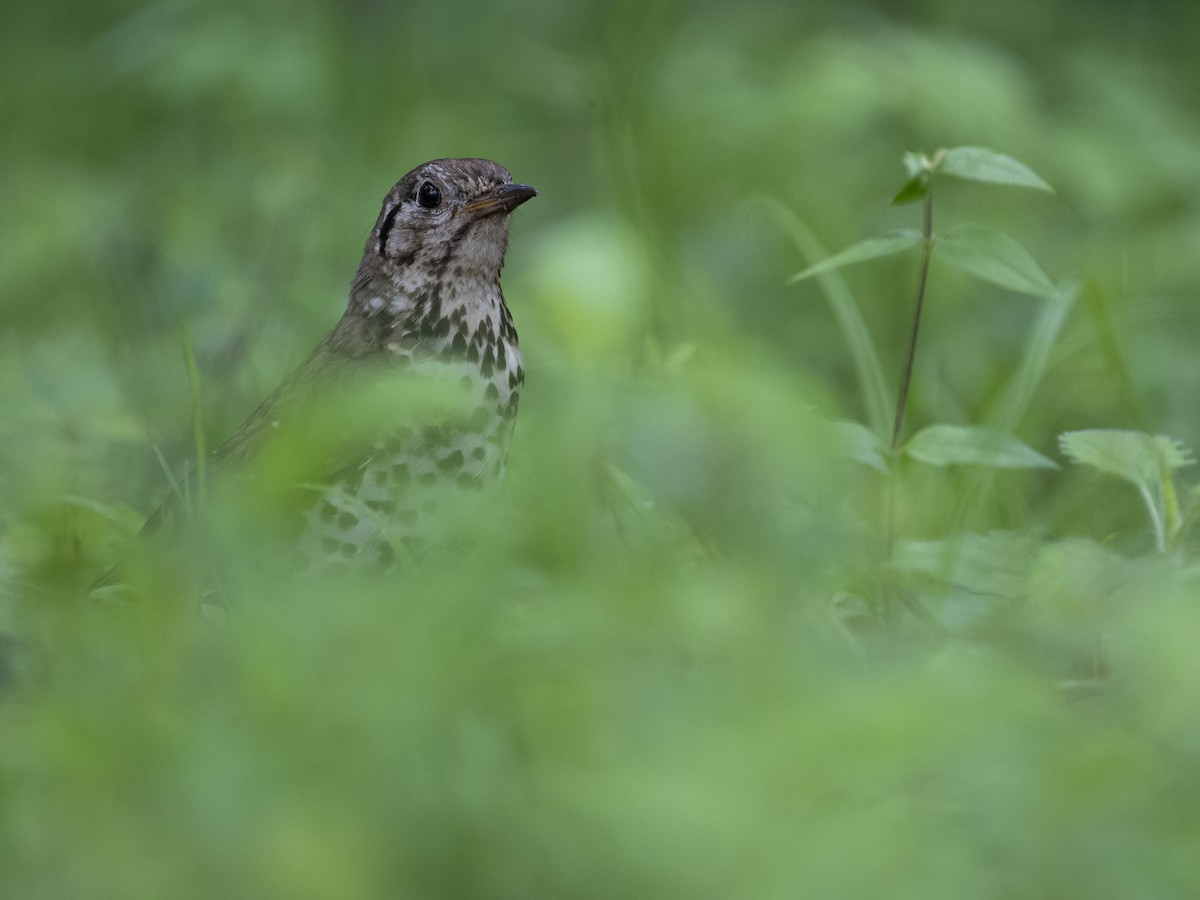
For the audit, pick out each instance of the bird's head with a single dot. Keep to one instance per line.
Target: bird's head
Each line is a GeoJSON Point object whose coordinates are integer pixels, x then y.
{"type": "Point", "coordinates": [446, 217]}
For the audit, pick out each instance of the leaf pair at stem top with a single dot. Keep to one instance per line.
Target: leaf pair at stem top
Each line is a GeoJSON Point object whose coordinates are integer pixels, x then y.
{"type": "Point", "coordinates": [977, 250]}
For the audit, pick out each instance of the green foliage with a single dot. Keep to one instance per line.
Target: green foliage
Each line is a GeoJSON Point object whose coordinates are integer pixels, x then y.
{"type": "Point", "coordinates": [947, 445]}
{"type": "Point", "coordinates": [1144, 460]}
{"type": "Point", "coordinates": [983, 252]}
{"type": "Point", "coordinates": [866, 249]}
{"type": "Point", "coordinates": [724, 630]}
{"type": "Point", "coordinates": [994, 257]}
{"type": "Point", "coordinates": [968, 163]}
{"type": "Point", "coordinates": [989, 167]}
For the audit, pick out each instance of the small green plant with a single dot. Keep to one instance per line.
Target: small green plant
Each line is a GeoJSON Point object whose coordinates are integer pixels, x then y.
{"type": "Point", "coordinates": [1148, 462]}
{"type": "Point", "coordinates": [980, 574]}
{"type": "Point", "coordinates": [977, 250]}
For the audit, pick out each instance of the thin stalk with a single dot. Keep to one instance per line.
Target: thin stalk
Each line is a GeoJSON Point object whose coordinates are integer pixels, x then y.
{"type": "Point", "coordinates": [906, 375]}
{"type": "Point", "coordinates": [193, 376]}
{"type": "Point", "coordinates": [1171, 516]}
{"type": "Point", "coordinates": [1156, 519]}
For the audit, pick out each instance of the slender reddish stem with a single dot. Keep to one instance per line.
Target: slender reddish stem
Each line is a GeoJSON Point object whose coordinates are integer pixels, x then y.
{"type": "Point", "coordinates": [906, 375]}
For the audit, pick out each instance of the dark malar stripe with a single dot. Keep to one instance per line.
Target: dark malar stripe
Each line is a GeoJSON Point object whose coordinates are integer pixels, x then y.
{"type": "Point", "coordinates": [443, 263]}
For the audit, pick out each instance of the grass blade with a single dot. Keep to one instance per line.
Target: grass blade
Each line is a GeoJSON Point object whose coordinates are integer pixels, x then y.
{"type": "Point", "coordinates": [876, 396]}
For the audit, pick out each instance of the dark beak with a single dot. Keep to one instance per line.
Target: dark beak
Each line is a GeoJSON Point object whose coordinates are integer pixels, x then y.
{"type": "Point", "coordinates": [505, 199]}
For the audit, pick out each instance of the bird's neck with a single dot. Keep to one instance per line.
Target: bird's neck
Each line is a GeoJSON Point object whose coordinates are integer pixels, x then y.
{"type": "Point", "coordinates": [432, 314]}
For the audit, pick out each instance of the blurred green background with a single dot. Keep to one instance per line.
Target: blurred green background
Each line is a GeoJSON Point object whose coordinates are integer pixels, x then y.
{"type": "Point", "coordinates": [656, 663]}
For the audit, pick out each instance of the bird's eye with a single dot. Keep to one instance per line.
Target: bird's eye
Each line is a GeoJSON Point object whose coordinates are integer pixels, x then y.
{"type": "Point", "coordinates": [428, 196]}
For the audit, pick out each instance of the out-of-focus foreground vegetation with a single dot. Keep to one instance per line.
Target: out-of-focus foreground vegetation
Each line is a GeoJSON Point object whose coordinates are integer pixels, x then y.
{"type": "Point", "coordinates": [679, 652]}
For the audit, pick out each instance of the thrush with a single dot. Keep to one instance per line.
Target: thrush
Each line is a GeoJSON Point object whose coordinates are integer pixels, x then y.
{"type": "Point", "coordinates": [425, 320]}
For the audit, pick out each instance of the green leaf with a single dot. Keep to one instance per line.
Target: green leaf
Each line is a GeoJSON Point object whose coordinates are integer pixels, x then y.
{"type": "Point", "coordinates": [947, 445]}
{"type": "Point", "coordinates": [1132, 455]}
{"type": "Point", "coordinates": [870, 248]}
{"type": "Point", "coordinates": [1074, 578]}
{"type": "Point", "coordinates": [914, 189]}
{"type": "Point", "coordinates": [996, 563]}
{"type": "Point", "coordinates": [994, 257]}
{"type": "Point", "coordinates": [981, 164]}
{"type": "Point", "coordinates": [1146, 461]}
{"type": "Point", "coordinates": [860, 443]}
{"type": "Point", "coordinates": [977, 581]}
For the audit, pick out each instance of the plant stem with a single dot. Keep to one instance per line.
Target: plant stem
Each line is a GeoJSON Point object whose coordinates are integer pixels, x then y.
{"type": "Point", "coordinates": [193, 377]}
{"type": "Point", "coordinates": [906, 376]}
{"type": "Point", "coordinates": [1156, 519]}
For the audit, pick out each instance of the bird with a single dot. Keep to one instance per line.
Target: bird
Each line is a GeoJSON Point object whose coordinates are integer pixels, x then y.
{"type": "Point", "coordinates": [427, 338]}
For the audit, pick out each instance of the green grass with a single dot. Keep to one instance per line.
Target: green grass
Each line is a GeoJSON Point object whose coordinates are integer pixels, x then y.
{"type": "Point", "coordinates": [689, 647]}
